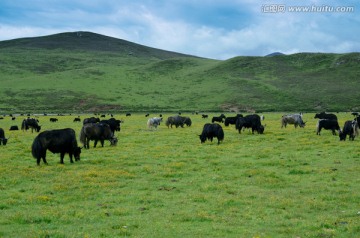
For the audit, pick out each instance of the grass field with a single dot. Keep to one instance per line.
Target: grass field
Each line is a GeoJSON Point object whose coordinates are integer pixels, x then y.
{"type": "Point", "coordinates": [164, 183]}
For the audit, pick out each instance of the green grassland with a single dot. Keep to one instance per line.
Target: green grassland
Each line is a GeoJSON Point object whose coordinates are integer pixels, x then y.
{"type": "Point", "coordinates": [164, 183]}
{"type": "Point", "coordinates": [86, 72]}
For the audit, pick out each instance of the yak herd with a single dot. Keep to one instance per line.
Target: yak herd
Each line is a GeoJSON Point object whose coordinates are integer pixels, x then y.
{"type": "Point", "coordinates": [64, 141]}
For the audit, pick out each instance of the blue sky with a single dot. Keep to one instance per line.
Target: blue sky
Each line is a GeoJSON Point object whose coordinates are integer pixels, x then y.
{"type": "Point", "coordinates": [218, 29]}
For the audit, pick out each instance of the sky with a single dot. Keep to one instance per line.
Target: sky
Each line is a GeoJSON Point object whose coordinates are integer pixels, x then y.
{"type": "Point", "coordinates": [217, 29]}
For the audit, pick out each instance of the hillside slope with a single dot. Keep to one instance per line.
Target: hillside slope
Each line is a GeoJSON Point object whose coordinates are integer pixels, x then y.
{"type": "Point", "coordinates": [88, 41]}
{"type": "Point", "coordinates": [88, 72]}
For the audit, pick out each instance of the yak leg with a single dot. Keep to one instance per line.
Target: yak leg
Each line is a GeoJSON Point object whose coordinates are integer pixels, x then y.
{"type": "Point", "coordinates": [95, 143]}
{"type": "Point", "coordinates": [62, 154]}
{"type": "Point", "coordinates": [102, 143]}
{"type": "Point", "coordinates": [43, 157]}
{"type": "Point", "coordinates": [87, 143]}
{"type": "Point", "coordinates": [71, 159]}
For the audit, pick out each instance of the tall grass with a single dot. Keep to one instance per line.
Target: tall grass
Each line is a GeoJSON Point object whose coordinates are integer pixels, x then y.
{"type": "Point", "coordinates": [164, 183]}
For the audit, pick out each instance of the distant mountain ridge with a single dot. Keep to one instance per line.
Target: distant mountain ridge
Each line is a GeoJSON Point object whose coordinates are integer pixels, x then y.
{"type": "Point", "coordinates": [274, 54]}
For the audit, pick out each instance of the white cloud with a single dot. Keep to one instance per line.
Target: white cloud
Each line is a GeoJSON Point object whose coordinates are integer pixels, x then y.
{"type": "Point", "coordinates": [8, 32]}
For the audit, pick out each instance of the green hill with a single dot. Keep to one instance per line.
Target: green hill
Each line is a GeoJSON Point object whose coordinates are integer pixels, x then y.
{"type": "Point", "coordinates": [88, 72]}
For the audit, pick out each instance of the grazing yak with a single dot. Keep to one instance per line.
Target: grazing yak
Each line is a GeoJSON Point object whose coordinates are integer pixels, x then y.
{"type": "Point", "coordinates": [295, 119]}
{"type": "Point", "coordinates": [154, 122]}
{"type": "Point", "coordinates": [350, 128]}
{"type": "Point", "coordinates": [30, 123]}
{"type": "Point", "coordinates": [210, 131]}
{"type": "Point", "coordinates": [61, 141]}
{"type": "Point", "coordinates": [3, 140]}
{"type": "Point", "coordinates": [327, 124]}
{"type": "Point", "coordinates": [250, 121]}
{"type": "Point", "coordinates": [97, 132]}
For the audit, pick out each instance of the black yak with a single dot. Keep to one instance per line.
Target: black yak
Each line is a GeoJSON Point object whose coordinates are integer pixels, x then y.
{"type": "Point", "coordinates": [220, 118]}
{"type": "Point", "coordinates": [350, 128]}
{"type": "Point", "coordinates": [61, 141]}
{"type": "Point", "coordinates": [324, 115]}
{"type": "Point", "coordinates": [211, 130]}
{"type": "Point", "coordinates": [327, 124]}
{"type": "Point", "coordinates": [178, 121]}
{"type": "Point", "coordinates": [97, 132]}
{"type": "Point", "coordinates": [30, 123]}
{"type": "Point", "coordinates": [113, 123]}
{"type": "Point", "coordinates": [232, 120]}
{"type": "Point", "coordinates": [3, 140]}
{"type": "Point", "coordinates": [250, 121]}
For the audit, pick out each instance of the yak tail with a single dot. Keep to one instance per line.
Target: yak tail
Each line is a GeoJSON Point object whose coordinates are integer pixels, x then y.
{"type": "Point", "coordinates": [37, 148]}
{"type": "Point", "coordinates": [82, 136]}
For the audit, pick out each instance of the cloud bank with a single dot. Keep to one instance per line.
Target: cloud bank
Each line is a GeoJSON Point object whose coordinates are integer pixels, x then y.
{"type": "Point", "coordinates": [214, 29]}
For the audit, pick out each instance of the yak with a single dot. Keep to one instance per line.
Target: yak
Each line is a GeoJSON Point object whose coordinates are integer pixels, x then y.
{"type": "Point", "coordinates": [295, 119]}
{"type": "Point", "coordinates": [91, 120]}
{"type": "Point", "coordinates": [232, 120]}
{"type": "Point", "coordinates": [61, 141]}
{"type": "Point", "coordinates": [97, 132]}
{"type": "Point", "coordinates": [211, 130]}
{"type": "Point", "coordinates": [327, 124]}
{"type": "Point", "coordinates": [113, 123]}
{"type": "Point", "coordinates": [154, 122]}
{"type": "Point", "coordinates": [250, 121]}
{"type": "Point", "coordinates": [3, 140]}
{"type": "Point", "coordinates": [324, 115]}
{"type": "Point", "coordinates": [220, 118]}
{"type": "Point", "coordinates": [30, 123]}
{"type": "Point", "coordinates": [350, 128]}
{"type": "Point", "coordinates": [178, 121]}
{"type": "Point", "coordinates": [14, 128]}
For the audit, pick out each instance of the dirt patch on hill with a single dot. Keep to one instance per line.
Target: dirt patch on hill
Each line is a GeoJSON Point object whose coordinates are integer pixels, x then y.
{"type": "Point", "coordinates": [236, 108]}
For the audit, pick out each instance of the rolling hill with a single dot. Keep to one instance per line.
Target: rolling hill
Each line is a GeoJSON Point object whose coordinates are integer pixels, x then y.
{"type": "Point", "coordinates": [88, 72]}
